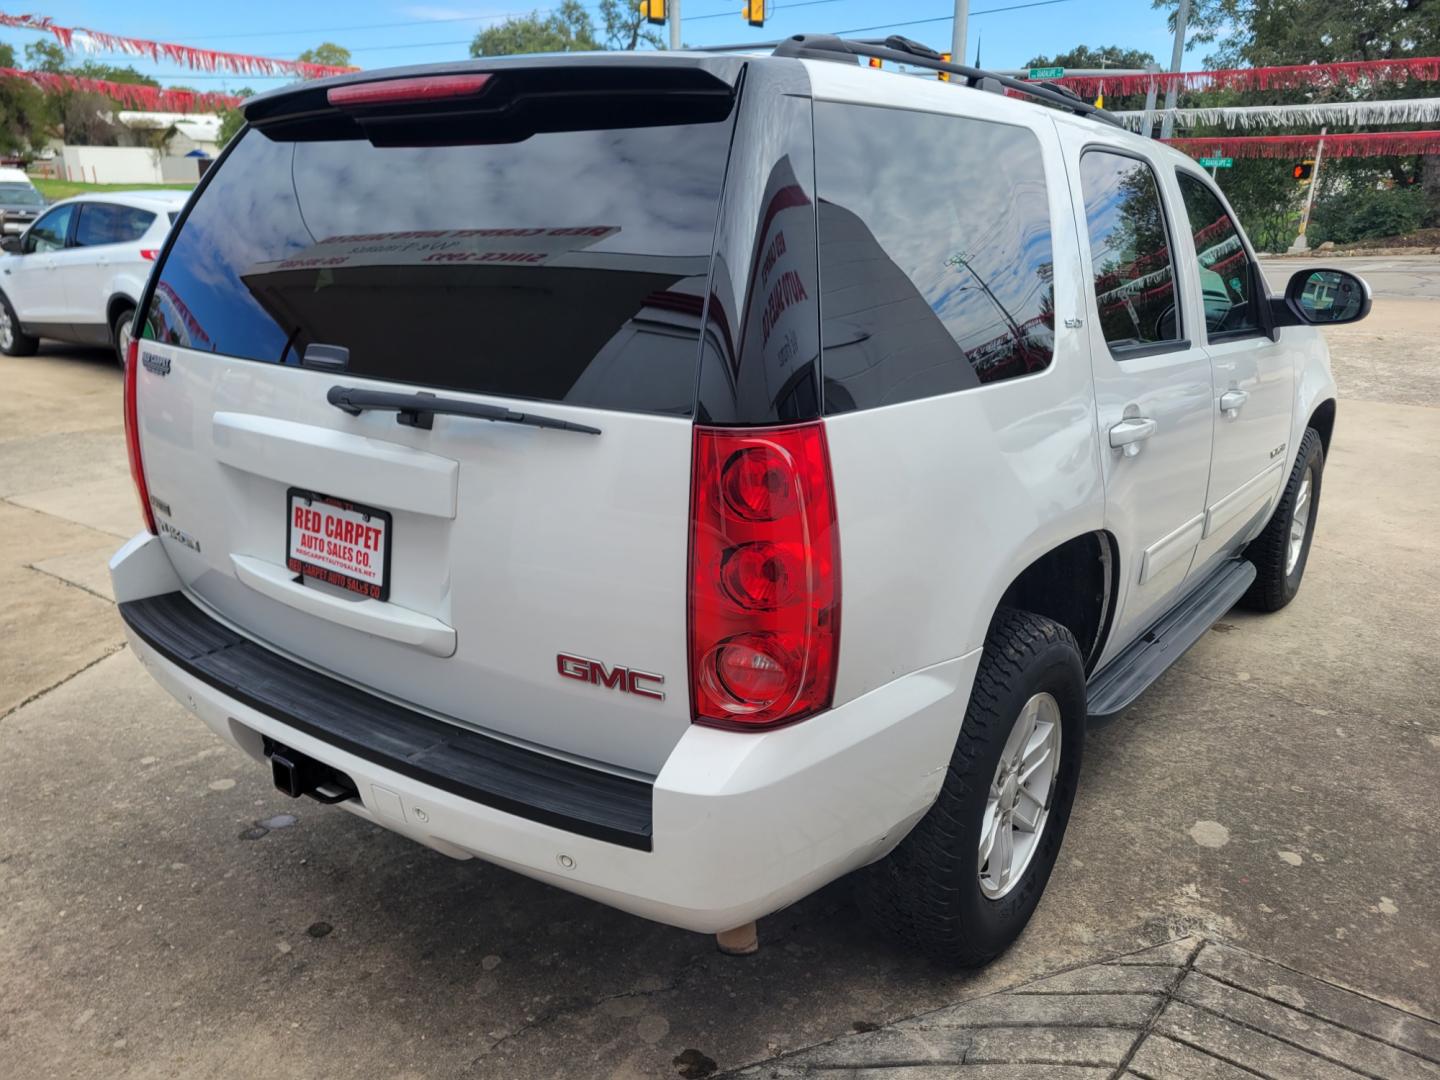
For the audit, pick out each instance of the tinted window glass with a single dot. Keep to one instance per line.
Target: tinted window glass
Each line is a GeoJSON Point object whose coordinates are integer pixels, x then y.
{"type": "Point", "coordinates": [106, 223]}
{"type": "Point", "coordinates": [1227, 280]}
{"type": "Point", "coordinates": [925, 294]}
{"type": "Point", "coordinates": [1130, 257]}
{"type": "Point", "coordinates": [565, 266]}
{"type": "Point", "coordinates": [48, 234]}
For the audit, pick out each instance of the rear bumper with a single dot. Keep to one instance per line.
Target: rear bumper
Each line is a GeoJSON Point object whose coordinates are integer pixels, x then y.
{"type": "Point", "coordinates": [740, 824]}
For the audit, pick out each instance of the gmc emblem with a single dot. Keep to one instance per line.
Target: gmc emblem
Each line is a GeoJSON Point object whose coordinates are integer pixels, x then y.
{"type": "Point", "coordinates": [626, 680]}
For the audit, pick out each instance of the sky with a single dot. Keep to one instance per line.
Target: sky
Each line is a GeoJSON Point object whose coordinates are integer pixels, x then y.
{"type": "Point", "coordinates": [387, 33]}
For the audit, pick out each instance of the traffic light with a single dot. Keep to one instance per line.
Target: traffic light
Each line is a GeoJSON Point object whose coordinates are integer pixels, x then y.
{"type": "Point", "coordinates": [653, 10]}
{"type": "Point", "coordinates": [944, 76]}
{"type": "Point", "coordinates": [1303, 170]}
{"type": "Point", "coordinates": [755, 12]}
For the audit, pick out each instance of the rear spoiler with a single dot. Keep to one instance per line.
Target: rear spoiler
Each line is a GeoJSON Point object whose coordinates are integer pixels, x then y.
{"type": "Point", "coordinates": [627, 74]}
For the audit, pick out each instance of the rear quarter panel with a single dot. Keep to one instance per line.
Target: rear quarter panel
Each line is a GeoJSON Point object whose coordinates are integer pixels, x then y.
{"type": "Point", "coordinates": [943, 502]}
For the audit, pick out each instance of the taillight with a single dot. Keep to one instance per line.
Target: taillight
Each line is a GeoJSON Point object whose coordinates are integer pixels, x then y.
{"type": "Point", "coordinates": [132, 432]}
{"type": "Point", "coordinates": [149, 254]}
{"type": "Point", "coordinates": [405, 91]}
{"type": "Point", "coordinates": [764, 576]}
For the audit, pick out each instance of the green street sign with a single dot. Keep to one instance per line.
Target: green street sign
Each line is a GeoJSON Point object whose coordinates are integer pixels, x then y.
{"type": "Point", "coordinates": [1047, 73]}
{"type": "Point", "coordinates": [1216, 162]}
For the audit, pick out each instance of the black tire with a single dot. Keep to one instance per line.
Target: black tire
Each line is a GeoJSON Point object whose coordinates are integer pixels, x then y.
{"type": "Point", "coordinates": [119, 326]}
{"type": "Point", "coordinates": [1274, 586]}
{"type": "Point", "coordinates": [927, 891]}
{"type": "Point", "coordinates": [17, 342]}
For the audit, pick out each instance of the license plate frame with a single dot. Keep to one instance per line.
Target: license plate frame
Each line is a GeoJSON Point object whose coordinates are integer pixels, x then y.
{"type": "Point", "coordinates": [329, 574]}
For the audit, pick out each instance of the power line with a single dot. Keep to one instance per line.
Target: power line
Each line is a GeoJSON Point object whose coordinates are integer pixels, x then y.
{"type": "Point", "coordinates": [947, 18]}
{"type": "Point", "coordinates": [498, 16]}
{"type": "Point", "coordinates": [478, 18]}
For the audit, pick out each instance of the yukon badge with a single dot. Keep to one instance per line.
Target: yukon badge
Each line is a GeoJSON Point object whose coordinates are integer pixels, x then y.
{"type": "Point", "coordinates": [626, 680]}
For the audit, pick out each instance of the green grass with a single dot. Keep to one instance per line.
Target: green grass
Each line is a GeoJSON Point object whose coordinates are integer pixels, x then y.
{"type": "Point", "coordinates": [63, 189]}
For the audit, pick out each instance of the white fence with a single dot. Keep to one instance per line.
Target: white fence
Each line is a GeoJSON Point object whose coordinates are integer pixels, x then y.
{"type": "Point", "coordinates": [124, 165]}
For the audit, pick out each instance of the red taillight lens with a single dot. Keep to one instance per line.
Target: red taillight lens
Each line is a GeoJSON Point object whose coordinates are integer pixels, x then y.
{"type": "Point", "coordinates": [764, 576]}
{"type": "Point", "coordinates": [132, 433]}
{"type": "Point", "coordinates": [403, 91]}
{"type": "Point", "coordinates": [149, 254]}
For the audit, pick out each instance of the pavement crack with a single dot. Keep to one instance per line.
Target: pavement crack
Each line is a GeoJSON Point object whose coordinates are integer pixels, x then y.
{"type": "Point", "coordinates": [1160, 1006]}
{"type": "Point", "coordinates": [67, 581]}
{"type": "Point", "coordinates": [1339, 1024]}
{"type": "Point", "coordinates": [111, 651]}
{"type": "Point", "coordinates": [1254, 1029]}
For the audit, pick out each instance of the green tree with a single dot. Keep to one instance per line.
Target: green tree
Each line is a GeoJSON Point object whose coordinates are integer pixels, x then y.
{"type": "Point", "coordinates": [567, 28]}
{"type": "Point", "coordinates": [23, 116]}
{"type": "Point", "coordinates": [232, 120]}
{"type": "Point", "coordinates": [91, 69]}
{"type": "Point", "coordinates": [327, 53]}
{"type": "Point", "coordinates": [1082, 57]}
{"type": "Point", "coordinates": [625, 26]}
{"type": "Point", "coordinates": [45, 56]}
{"type": "Point", "coordinates": [1269, 32]}
{"type": "Point", "coordinates": [1105, 56]}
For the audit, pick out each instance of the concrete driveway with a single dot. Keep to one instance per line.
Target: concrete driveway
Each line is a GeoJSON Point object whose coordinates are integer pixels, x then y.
{"type": "Point", "coordinates": [167, 913]}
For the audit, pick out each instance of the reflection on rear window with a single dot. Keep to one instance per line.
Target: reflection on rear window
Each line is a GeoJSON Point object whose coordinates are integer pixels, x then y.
{"type": "Point", "coordinates": [569, 266]}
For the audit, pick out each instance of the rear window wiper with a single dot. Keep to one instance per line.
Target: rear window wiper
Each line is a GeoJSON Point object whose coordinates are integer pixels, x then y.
{"type": "Point", "coordinates": [419, 410]}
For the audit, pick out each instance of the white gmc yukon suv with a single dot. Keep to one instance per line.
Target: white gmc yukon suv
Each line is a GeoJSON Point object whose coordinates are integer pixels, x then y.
{"type": "Point", "coordinates": [731, 472]}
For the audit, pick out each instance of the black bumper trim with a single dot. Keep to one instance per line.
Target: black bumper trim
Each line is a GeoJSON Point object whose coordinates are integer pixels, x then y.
{"type": "Point", "coordinates": [526, 783]}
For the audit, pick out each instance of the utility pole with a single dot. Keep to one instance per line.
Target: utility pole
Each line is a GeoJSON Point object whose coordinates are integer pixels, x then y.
{"type": "Point", "coordinates": [1147, 125]}
{"type": "Point", "coordinates": [1182, 16]}
{"type": "Point", "coordinates": [1301, 244]}
{"type": "Point", "coordinates": [675, 25]}
{"type": "Point", "coordinates": [957, 34]}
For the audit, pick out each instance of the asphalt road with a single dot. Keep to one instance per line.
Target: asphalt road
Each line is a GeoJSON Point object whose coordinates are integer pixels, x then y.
{"type": "Point", "coordinates": [167, 913]}
{"type": "Point", "coordinates": [1410, 277]}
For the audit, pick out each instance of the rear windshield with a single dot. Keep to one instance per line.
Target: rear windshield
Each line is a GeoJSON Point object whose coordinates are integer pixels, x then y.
{"type": "Point", "coordinates": [568, 266]}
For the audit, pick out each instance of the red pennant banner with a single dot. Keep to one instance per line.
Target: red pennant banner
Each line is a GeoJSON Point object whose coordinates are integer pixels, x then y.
{"type": "Point", "coordinates": [1289, 77]}
{"type": "Point", "coordinates": [1355, 144]}
{"type": "Point", "coordinates": [147, 98]}
{"type": "Point", "coordinates": [198, 59]}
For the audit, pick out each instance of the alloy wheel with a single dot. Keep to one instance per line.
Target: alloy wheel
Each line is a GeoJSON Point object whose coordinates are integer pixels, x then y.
{"type": "Point", "coordinates": [1018, 804]}
{"type": "Point", "coordinates": [1299, 523]}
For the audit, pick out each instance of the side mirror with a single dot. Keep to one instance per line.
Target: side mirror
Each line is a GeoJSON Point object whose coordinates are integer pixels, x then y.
{"type": "Point", "coordinates": [10, 243]}
{"type": "Point", "coordinates": [1327, 297]}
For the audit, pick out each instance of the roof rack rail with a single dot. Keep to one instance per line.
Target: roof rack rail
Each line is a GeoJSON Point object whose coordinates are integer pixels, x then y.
{"type": "Point", "coordinates": [902, 50]}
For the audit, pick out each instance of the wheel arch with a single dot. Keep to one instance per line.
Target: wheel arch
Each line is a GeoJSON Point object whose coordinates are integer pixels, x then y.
{"type": "Point", "coordinates": [1075, 583]}
{"type": "Point", "coordinates": [1322, 419]}
{"type": "Point", "coordinates": [116, 302]}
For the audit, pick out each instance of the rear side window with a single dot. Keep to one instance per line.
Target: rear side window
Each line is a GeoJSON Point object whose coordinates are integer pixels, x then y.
{"type": "Point", "coordinates": [106, 223]}
{"type": "Point", "coordinates": [935, 254]}
{"type": "Point", "coordinates": [1130, 256]}
{"type": "Point", "coordinates": [1227, 278]}
{"type": "Point", "coordinates": [563, 266]}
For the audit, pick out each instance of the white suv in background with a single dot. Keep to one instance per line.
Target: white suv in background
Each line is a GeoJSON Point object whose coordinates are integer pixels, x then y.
{"type": "Point", "coordinates": [731, 473]}
{"type": "Point", "coordinates": [77, 273]}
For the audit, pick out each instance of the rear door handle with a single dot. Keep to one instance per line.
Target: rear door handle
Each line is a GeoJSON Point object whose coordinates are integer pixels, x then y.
{"type": "Point", "coordinates": [1231, 401]}
{"type": "Point", "coordinates": [1128, 434]}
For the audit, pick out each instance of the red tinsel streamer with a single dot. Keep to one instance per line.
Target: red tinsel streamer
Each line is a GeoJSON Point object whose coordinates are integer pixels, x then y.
{"type": "Point", "coordinates": [200, 59]}
{"type": "Point", "coordinates": [147, 98]}
{"type": "Point", "coordinates": [1357, 144]}
{"type": "Point", "coordinates": [1422, 68]}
